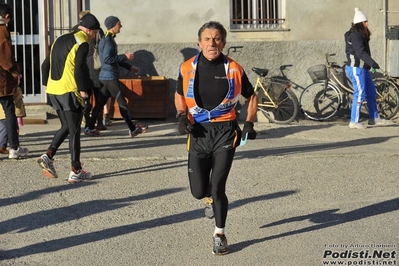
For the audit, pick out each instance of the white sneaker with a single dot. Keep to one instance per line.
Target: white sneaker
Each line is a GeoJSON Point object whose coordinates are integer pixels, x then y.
{"type": "Point", "coordinates": [79, 177]}
{"type": "Point", "coordinates": [18, 153]}
{"type": "Point", "coordinates": [356, 125]}
{"type": "Point", "coordinates": [48, 166]}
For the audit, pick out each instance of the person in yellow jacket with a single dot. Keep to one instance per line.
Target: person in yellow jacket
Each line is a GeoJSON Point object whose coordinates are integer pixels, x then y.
{"type": "Point", "coordinates": [208, 89]}
{"type": "Point", "coordinates": [19, 112]}
{"type": "Point", "coordinates": [65, 74]}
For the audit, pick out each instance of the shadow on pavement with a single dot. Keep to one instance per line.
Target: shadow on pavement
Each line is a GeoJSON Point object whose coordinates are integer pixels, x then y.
{"type": "Point", "coordinates": [55, 216]}
{"type": "Point", "coordinates": [310, 147]}
{"type": "Point", "coordinates": [324, 220]}
{"type": "Point", "coordinates": [46, 218]}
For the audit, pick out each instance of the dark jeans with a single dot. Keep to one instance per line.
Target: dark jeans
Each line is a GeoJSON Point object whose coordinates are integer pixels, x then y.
{"type": "Point", "coordinates": [112, 89]}
{"type": "Point", "coordinates": [3, 134]}
{"type": "Point", "coordinates": [11, 121]}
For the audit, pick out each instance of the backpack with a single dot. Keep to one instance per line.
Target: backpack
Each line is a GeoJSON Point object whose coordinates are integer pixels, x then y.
{"type": "Point", "coordinates": [96, 56]}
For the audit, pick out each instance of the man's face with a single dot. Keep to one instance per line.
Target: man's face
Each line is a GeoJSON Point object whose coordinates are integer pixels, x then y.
{"type": "Point", "coordinates": [211, 43]}
{"type": "Point", "coordinates": [92, 34]}
{"type": "Point", "coordinates": [117, 27]}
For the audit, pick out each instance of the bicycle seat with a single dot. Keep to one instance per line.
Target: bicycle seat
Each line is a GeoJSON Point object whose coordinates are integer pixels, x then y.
{"type": "Point", "coordinates": [260, 72]}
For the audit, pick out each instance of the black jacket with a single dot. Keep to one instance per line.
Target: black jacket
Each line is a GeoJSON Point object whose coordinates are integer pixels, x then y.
{"type": "Point", "coordinates": [358, 50]}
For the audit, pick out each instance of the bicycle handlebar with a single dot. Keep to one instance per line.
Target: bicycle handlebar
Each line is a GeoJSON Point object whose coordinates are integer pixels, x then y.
{"type": "Point", "coordinates": [327, 56]}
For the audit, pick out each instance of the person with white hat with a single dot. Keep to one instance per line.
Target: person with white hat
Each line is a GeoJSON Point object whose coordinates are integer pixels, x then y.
{"type": "Point", "coordinates": [359, 63]}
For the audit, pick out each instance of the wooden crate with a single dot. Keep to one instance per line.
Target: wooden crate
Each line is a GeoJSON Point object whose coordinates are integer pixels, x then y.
{"type": "Point", "coordinates": [147, 97]}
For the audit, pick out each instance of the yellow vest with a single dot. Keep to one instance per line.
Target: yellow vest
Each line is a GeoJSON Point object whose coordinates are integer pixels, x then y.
{"type": "Point", "coordinates": [67, 82]}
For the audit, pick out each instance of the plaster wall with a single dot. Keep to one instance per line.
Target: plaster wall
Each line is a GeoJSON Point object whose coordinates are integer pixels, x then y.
{"type": "Point", "coordinates": [164, 33]}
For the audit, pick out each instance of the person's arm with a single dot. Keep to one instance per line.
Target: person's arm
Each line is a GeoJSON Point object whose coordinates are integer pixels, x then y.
{"type": "Point", "coordinates": [185, 125]}
{"type": "Point", "coordinates": [252, 107]}
{"type": "Point", "coordinates": [180, 103]}
{"type": "Point", "coordinates": [81, 71]}
{"type": "Point", "coordinates": [7, 61]}
{"type": "Point", "coordinates": [247, 90]}
{"type": "Point", "coordinates": [127, 66]}
{"type": "Point", "coordinates": [46, 70]}
{"type": "Point", "coordinates": [360, 50]}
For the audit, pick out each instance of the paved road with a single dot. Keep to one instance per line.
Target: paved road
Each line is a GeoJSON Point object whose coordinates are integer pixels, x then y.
{"type": "Point", "coordinates": [297, 193]}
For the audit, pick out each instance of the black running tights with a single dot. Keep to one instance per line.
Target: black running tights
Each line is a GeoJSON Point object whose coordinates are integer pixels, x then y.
{"type": "Point", "coordinates": [70, 125]}
{"type": "Point", "coordinates": [111, 88]}
{"type": "Point", "coordinates": [207, 177]}
{"type": "Point", "coordinates": [86, 114]}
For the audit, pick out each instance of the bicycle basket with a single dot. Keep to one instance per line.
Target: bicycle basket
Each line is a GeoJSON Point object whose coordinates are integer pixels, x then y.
{"type": "Point", "coordinates": [318, 73]}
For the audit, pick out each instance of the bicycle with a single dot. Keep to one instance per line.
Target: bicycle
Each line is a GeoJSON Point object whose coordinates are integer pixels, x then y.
{"type": "Point", "coordinates": [277, 102]}
{"type": "Point", "coordinates": [332, 89]}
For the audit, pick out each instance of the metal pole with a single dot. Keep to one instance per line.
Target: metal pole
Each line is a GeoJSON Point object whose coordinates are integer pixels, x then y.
{"type": "Point", "coordinates": [44, 41]}
{"type": "Point", "coordinates": [385, 25]}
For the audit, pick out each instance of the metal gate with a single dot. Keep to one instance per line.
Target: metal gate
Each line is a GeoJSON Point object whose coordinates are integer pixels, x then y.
{"type": "Point", "coordinates": [36, 24]}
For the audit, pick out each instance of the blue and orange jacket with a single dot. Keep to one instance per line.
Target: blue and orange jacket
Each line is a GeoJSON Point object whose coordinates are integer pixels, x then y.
{"type": "Point", "coordinates": [225, 111]}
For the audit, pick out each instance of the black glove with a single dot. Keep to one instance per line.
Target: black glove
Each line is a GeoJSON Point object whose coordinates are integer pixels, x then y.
{"type": "Point", "coordinates": [185, 126]}
{"type": "Point", "coordinates": [87, 107]}
{"type": "Point", "coordinates": [248, 128]}
{"type": "Point", "coordinates": [375, 66]}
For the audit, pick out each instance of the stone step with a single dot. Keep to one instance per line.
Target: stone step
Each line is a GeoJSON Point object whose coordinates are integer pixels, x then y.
{"type": "Point", "coordinates": [37, 113]}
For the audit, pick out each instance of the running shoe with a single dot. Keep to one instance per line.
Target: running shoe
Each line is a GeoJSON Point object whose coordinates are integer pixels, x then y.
{"type": "Point", "coordinates": [140, 129]}
{"type": "Point", "coordinates": [220, 246]}
{"type": "Point", "coordinates": [107, 121]}
{"type": "Point", "coordinates": [209, 208]}
{"type": "Point", "coordinates": [100, 127]}
{"type": "Point", "coordinates": [92, 132]}
{"type": "Point", "coordinates": [356, 125]}
{"type": "Point", "coordinates": [80, 176]}
{"type": "Point", "coordinates": [18, 153]}
{"type": "Point", "coordinates": [47, 165]}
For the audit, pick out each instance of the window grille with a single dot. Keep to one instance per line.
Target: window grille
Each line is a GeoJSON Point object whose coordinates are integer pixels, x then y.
{"type": "Point", "coordinates": [256, 14]}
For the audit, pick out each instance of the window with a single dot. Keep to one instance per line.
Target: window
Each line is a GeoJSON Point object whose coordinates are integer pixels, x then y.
{"type": "Point", "coordinates": [256, 14]}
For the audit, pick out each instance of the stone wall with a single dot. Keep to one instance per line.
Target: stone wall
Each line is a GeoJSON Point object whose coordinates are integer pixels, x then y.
{"type": "Point", "coordinates": [164, 59]}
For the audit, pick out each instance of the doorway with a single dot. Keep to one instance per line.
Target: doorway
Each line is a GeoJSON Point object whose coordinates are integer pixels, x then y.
{"type": "Point", "coordinates": [36, 24]}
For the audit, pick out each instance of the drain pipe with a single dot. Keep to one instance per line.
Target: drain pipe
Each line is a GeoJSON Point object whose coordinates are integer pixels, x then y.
{"type": "Point", "coordinates": [385, 25]}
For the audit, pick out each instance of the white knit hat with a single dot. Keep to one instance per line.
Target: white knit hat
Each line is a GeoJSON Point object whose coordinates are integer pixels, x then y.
{"type": "Point", "coordinates": [359, 16]}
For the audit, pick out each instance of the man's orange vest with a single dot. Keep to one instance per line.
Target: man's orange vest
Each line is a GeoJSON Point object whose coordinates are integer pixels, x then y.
{"type": "Point", "coordinates": [225, 110]}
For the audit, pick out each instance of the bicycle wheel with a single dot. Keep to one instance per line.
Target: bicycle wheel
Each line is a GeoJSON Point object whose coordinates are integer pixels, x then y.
{"type": "Point", "coordinates": [319, 102]}
{"type": "Point", "coordinates": [387, 98]}
{"type": "Point", "coordinates": [286, 102]}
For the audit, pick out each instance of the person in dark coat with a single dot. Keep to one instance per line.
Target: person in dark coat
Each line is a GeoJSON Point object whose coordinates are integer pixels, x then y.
{"type": "Point", "coordinates": [359, 63]}
{"type": "Point", "coordinates": [9, 74]}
